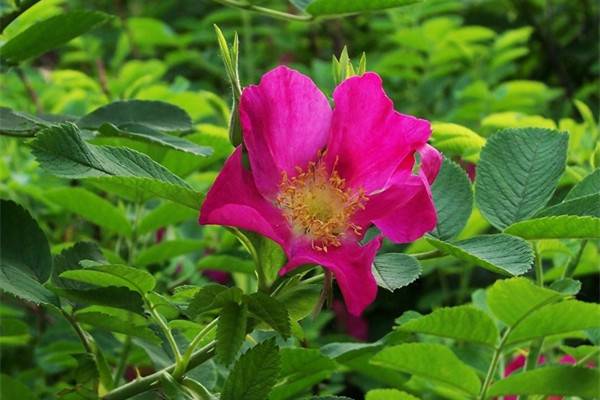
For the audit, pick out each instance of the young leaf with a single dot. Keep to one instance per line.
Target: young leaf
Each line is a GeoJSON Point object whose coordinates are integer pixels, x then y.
{"type": "Point", "coordinates": [25, 261]}
{"type": "Point", "coordinates": [271, 311]}
{"type": "Point", "coordinates": [461, 323]}
{"type": "Point", "coordinates": [559, 380]}
{"type": "Point", "coordinates": [50, 34]}
{"type": "Point", "coordinates": [254, 374]}
{"type": "Point", "coordinates": [61, 151]}
{"type": "Point", "coordinates": [113, 275]}
{"type": "Point", "coordinates": [433, 362]}
{"type": "Point", "coordinates": [456, 140]}
{"type": "Point", "coordinates": [518, 172]}
{"type": "Point", "coordinates": [91, 207]}
{"type": "Point", "coordinates": [231, 331]}
{"type": "Point", "coordinates": [453, 200]}
{"type": "Point", "coordinates": [319, 8]}
{"type": "Point", "coordinates": [500, 253]}
{"type": "Point", "coordinates": [557, 227]}
{"type": "Point", "coordinates": [395, 270]}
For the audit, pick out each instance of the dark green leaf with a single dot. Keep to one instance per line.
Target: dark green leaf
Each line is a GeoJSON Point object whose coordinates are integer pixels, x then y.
{"type": "Point", "coordinates": [254, 374]}
{"type": "Point", "coordinates": [231, 331]}
{"type": "Point", "coordinates": [118, 297]}
{"type": "Point", "coordinates": [270, 311]}
{"type": "Point", "coordinates": [50, 34]}
{"type": "Point", "coordinates": [518, 172]}
{"type": "Point", "coordinates": [566, 286]}
{"type": "Point", "coordinates": [299, 300]}
{"type": "Point", "coordinates": [10, 388]}
{"type": "Point", "coordinates": [70, 258]}
{"type": "Point", "coordinates": [113, 275]}
{"type": "Point", "coordinates": [453, 200]}
{"type": "Point", "coordinates": [395, 270]}
{"type": "Point", "coordinates": [500, 253]}
{"type": "Point", "coordinates": [115, 320]}
{"type": "Point", "coordinates": [16, 123]}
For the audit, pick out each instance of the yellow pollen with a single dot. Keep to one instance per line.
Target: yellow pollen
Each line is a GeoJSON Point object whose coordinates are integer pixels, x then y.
{"type": "Point", "coordinates": [319, 205]}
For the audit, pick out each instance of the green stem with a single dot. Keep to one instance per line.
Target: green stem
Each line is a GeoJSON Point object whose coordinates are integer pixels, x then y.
{"type": "Point", "coordinates": [492, 368]}
{"type": "Point", "coordinates": [539, 269]}
{"type": "Point", "coordinates": [80, 332]}
{"type": "Point", "coordinates": [570, 269]}
{"type": "Point", "coordinates": [122, 360]}
{"type": "Point", "coordinates": [428, 255]}
{"type": "Point", "coordinates": [148, 382]}
{"type": "Point", "coordinates": [165, 329]}
{"type": "Point", "coordinates": [587, 357]}
{"type": "Point", "coordinates": [534, 354]}
{"type": "Point", "coordinates": [314, 279]}
{"type": "Point", "coordinates": [266, 11]}
{"type": "Point", "coordinates": [185, 359]}
{"type": "Point", "coordinates": [260, 273]}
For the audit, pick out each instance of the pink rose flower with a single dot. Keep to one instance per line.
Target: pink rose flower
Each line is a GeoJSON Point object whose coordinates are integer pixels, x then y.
{"type": "Point", "coordinates": [319, 177]}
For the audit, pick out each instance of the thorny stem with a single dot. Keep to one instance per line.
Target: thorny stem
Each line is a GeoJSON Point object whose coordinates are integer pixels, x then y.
{"type": "Point", "coordinates": [266, 11]}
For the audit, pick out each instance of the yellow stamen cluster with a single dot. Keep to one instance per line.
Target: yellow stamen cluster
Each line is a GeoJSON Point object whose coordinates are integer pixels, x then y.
{"type": "Point", "coordinates": [319, 205]}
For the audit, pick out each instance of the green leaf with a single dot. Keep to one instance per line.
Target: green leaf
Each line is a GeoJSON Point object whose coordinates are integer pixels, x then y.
{"type": "Point", "coordinates": [566, 286]}
{"type": "Point", "coordinates": [513, 299]}
{"type": "Point", "coordinates": [460, 323]}
{"type": "Point", "coordinates": [231, 331]}
{"type": "Point", "coordinates": [334, 7]}
{"type": "Point", "coordinates": [254, 374]}
{"type": "Point", "coordinates": [589, 185]}
{"type": "Point", "coordinates": [20, 124]}
{"type": "Point", "coordinates": [115, 320]}
{"type": "Point", "coordinates": [212, 297]}
{"type": "Point", "coordinates": [164, 215]}
{"type": "Point", "coordinates": [14, 332]}
{"type": "Point", "coordinates": [271, 311]}
{"type": "Point", "coordinates": [453, 200]}
{"type": "Point", "coordinates": [518, 172]}
{"type": "Point", "coordinates": [557, 227]}
{"type": "Point", "coordinates": [113, 275]}
{"type": "Point", "coordinates": [166, 250]}
{"type": "Point", "coordinates": [61, 151]}
{"type": "Point", "coordinates": [564, 317]}
{"type": "Point", "coordinates": [456, 140]}
{"type": "Point", "coordinates": [91, 207]}
{"type": "Point", "coordinates": [50, 34]}
{"type": "Point", "coordinates": [111, 296]}
{"type": "Point", "coordinates": [500, 253]}
{"type": "Point", "coordinates": [583, 206]}
{"type": "Point", "coordinates": [10, 388]}
{"type": "Point", "coordinates": [395, 270]}
{"type": "Point", "coordinates": [224, 262]}
{"type": "Point", "coordinates": [389, 394]}
{"type": "Point", "coordinates": [26, 262]}
{"type": "Point", "coordinates": [299, 300]}
{"type": "Point", "coordinates": [70, 259]}
{"type": "Point", "coordinates": [559, 380]}
{"type": "Point", "coordinates": [433, 362]}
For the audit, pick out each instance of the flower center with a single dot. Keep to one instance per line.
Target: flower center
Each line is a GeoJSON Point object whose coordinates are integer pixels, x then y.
{"type": "Point", "coordinates": [318, 204]}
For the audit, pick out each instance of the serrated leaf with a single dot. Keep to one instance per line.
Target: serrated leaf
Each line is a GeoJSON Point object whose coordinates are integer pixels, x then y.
{"type": "Point", "coordinates": [433, 362]}
{"type": "Point", "coordinates": [557, 227]}
{"type": "Point", "coordinates": [271, 311]}
{"type": "Point", "coordinates": [587, 186]}
{"type": "Point", "coordinates": [70, 258]}
{"type": "Point", "coordinates": [389, 394]}
{"type": "Point", "coordinates": [456, 140]}
{"type": "Point", "coordinates": [212, 297]}
{"type": "Point", "coordinates": [564, 317]}
{"type": "Point", "coordinates": [166, 250]}
{"type": "Point", "coordinates": [25, 261]}
{"type": "Point", "coordinates": [557, 380]}
{"type": "Point", "coordinates": [20, 124]}
{"type": "Point", "coordinates": [254, 374]}
{"type": "Point", "coordinates": [164, 215]}
{"type": "Point", "coordinates": [582, 206]}
{"type": "Point", "coordinates": [49, 34]}
{"type": "Point", "coordinates": [61, 151]}
{"type": "Point", "coordinates": [91, 207]}
{"type": "Point", "coordinates": [500, 253]}
{"type": "Point", "coordinates": [112, 296]}
{"type": "Point", "coordinates": [453, 200]}
{"type": "Point", "coordinates": [460, 323]}
{"type": "Point", "coordinates": [395, 270]}
{"type": "Point", "coordinates": [231, 331]}
{"type": "Point", "coordinates": [114, 320]}
{"type": "Point", "coordinates": [299, 300]}
{"type": "Point", "coordinates": [335, 7]}
{"type": "Point", "coordinates": [113, 275]}
{"type": "Point", "coordinates": [518, 172]}
{"type": "Point", "coordinates": [513, 299]}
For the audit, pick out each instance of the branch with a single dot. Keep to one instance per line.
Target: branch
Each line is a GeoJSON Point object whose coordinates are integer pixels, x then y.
{"type": "Point", "coordinates": [266, 11]}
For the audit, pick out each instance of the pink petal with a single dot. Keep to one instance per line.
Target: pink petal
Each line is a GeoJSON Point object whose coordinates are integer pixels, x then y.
{"type": "Point", "coordinates": [431, 161]}
{"type": "Point", "coordinates": [409, 220]}
{"type": "Point", "coordinates": [285, 120]}
{"type": "Point", "coordinates": [233, 200]}
{"type": "Point", "coordinates": [351, 265]}
{"type": "Point", "coordinates": [368, 138]}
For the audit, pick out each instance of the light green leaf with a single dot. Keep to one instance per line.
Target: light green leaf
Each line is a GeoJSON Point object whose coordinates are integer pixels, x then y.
{"type": "Point", "coordinates": [453, 200]}
{"type": "Point", "coordinates": [461, 323]}
{"type": "Point", "coordinates": [557, 227]}
{"type": "Point", "coordinates": [583, 206]}
{"type": "Point", "coordinates": [61, 151]}
{"type": "Point", "coordinates": [564, 317]}
{"type": "Point", "coordinates": [335, 7]}
{"type": "Point", "coordinates": [513, 299]}
{"type": "Point", "coordinates": [589, 185]}
{"type": "Point", "coordinates": [50, 34]}
{"type": "Point", "coordinates": [271, 311]}
{"type": "Point", "coordinates": [164, 215]}
{"type": "Point", "coordinates": [456, 140]}
{"type": "Point", "coordinates": [395, 270]}
{"type": "Point", "coordinates": [433, 362]}
{"type": "Point", "coordinates": [91, 207]}
{"type": "Point", "coordinates": [166, 250]}
{"type": "Point", "coordinates": [25, 262]}
{"type": "Point", "coordinates": [254, 374]}
{"type": "Point", "coordinates": [555, 380]}
{"type": "Point", "coordinates": [113, 275]}
{"type": "Point", "coordinates": [231, 331]}
{"type": "Point", "coordinates": [518, 172]}
{"type": "Point", "coordinates": [224, 262]}
{"type": "Point", "coordinates": [500, 253]}
{"type": "Point", "coordinates": [20, 124]}
{"type": "Point", "coordinates": [389, 394]}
